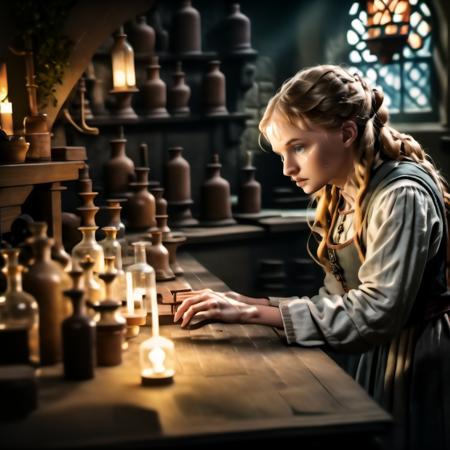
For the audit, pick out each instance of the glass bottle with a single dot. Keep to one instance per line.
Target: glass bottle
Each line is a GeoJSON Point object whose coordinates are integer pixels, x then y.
{"type": "Point", "coordinates": [88, 246]}
{"type": "Point", "coordinates": [141, 280]}
{"type": "Point", "coordinates": [118, 291]}
{"type": "Point", "coordinates": [156, 354]}
{"type": "Point", "coordinates": [78, 337]}
{"type": "Point", "coordinates": [19, 316]}
{"type": "Point", "coordinates": [111, 247]}
{"type": "Point", "coordinates": [93, 291]}
{"type": "Point", "coordinates": [110, 327]}
{"type": "Point", "coordinates": [44, 282]}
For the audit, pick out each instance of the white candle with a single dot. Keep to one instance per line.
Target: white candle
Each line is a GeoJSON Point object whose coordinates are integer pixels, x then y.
{"type": "Point", "coordinates": [119, 79]}
{"type": "Point", "coordinates": [3, 82]}
{"type": "Point", "coordinates": [6, 118]}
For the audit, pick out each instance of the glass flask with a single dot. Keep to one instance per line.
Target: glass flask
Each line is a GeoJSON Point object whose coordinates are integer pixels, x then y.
{"type": "Point", "coordinates": [93, 289]}
{"type": "Point", "coordinates": [88, 246]}
{"type": "Point", "coordinates": [19, 316]}
{"type": "Point", "coordinates": [140, 280]}
{"type": "Point", "coordinates": [118, 290]}
{"type": "Point", "coordinates": [111, 246]}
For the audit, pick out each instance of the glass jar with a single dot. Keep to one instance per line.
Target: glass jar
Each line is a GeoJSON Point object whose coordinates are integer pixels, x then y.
{"type": "Point", "coordinates": [19, 316]}
{"type": "Point", "coordinates": [140, 280]}
{"type": "Point", "coordinates": [111, 246]}
{"type": "Point", "coordinates": [88, 246]}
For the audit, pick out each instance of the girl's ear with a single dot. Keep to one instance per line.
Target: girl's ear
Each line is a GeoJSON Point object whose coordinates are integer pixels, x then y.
{"type": "Point", "coordinates": [349, 133]}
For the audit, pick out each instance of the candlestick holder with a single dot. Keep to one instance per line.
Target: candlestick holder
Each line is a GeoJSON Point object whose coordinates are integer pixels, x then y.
{"type": "Point", "coordinates": [122, 106]}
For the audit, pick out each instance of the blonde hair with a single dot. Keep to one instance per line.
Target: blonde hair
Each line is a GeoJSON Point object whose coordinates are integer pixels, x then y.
{"type": "Point", "coordinates": [327, 96]}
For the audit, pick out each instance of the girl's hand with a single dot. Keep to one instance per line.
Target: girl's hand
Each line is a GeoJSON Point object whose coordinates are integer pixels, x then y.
{"type": "Point", "coordinates": [208, 305]}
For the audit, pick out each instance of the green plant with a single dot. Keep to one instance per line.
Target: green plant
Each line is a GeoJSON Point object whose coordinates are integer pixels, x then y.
{"type": "Point", "coordinates": [43, 22]}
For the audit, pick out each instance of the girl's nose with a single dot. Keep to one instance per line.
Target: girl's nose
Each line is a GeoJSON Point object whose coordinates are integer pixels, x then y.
{"type": "Point", "coordinates": [290, 166]}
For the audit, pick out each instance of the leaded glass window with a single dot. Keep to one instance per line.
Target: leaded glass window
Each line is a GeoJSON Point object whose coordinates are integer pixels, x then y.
{"type": "Point", "coordinates": [408, 81]}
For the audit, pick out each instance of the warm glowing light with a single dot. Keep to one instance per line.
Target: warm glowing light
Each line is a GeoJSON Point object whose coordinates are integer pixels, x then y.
{"type": "Point", "coordinates": [3, 83]}
{"type": "Point", "coordinates": [122, 55]}
{"type": "Point", "coordinates": [130, 299]}
{"type": "Point", "coordinates": [157, 357]}
{"type": "Point", "coordinates": [119, 79]}
{"type": "Point", "coordinates": [387, 27]}
{"type": "Point", "coordinates": [157, 361]}
{"type": "Point", "coordinates": [6, 118]}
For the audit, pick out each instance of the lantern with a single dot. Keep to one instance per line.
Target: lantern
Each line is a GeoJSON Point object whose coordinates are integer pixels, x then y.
{"type": "Point", "coordinates": [387, 27]}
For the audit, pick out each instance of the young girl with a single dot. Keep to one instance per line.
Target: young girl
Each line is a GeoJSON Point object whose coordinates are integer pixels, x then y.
{"type": "Point", "coordinates": [382, 241]}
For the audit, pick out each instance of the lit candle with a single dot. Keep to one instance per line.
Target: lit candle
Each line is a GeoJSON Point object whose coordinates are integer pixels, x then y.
{"type": "Point", "coordinates": [130, 299]}
{"type": "Point", "coordinates": [6, 117]}
{"type": "Point", "coordinates": [3, 82]}
{"type": "Point", "coordinates": [119, 79]}
{"type": "Point", "coordinates": [131, 77]}
{"type": "Point", "coordinates": [157, 357]}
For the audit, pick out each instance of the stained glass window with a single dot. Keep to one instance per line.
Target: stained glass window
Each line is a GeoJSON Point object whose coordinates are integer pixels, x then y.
{"type": "Point", "coordinates": [407, 81]}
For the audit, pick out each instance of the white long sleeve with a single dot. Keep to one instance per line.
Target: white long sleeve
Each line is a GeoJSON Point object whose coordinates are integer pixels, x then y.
{"type": "Point", "coordinates": [403, 233]}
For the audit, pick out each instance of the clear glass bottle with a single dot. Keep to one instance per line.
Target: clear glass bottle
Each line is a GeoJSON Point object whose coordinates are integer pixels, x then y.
{"type": "Point", "coordinates": [88, 246]}
{"type": "Point", "coordinates": [141, 281]}
{"type": "Point", "coordinates": [111, 246]}
{"type": "Point", "coordinates": [93, 289]}
{"type": "Point", "coordinates": [118, 291]}
{"type": "Point", "coordinates": [19, 316]}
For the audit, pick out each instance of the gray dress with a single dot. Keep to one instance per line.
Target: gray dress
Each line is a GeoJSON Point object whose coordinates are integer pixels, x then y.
{"type": "Point", "coordinates": [380, 310]}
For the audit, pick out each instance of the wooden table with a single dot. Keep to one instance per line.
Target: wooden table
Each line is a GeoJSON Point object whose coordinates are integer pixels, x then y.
{"type": "Point", "coordinates": [233, 383]}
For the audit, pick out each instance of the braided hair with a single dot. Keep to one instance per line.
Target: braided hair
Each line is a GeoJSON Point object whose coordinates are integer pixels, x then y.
{"type": "Point", "coordinates": [327, 96]}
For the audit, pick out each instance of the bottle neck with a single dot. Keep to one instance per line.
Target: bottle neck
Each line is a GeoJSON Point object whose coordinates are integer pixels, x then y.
{"type": "Point", "coordinates": [139, 255]}
{"type": "Point", "coordinates": [42, 250]}
{"type": "Point", "coordinates": [78, 306]}
{"type": "Point", "coordinates": [88, 235]}
{"type": "Point", "coordinates": [14, 280]}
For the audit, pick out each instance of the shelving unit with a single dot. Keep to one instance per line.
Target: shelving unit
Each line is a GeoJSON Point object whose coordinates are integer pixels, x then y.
{"type": "Point", "coordinates": [43, 180]}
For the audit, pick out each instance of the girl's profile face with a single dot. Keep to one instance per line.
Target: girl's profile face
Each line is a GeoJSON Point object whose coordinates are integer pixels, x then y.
{"type": "Point", "coordinates": [312, 156]}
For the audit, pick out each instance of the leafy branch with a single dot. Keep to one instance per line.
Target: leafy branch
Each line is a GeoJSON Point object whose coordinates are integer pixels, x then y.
{"type": "Point", "coordinates": [43, 22]}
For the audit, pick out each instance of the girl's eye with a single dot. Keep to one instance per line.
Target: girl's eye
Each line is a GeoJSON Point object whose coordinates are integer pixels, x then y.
{"type": "Point", "coordinates": [298, 148]}
{"type": "Point", "coordinates": [282, 158]}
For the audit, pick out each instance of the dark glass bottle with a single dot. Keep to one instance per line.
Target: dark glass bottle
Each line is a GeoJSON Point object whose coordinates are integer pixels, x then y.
{"type": "Point", "coordinates": [78, 338]}
{"type": "Point", "coordinates": [43, 281]}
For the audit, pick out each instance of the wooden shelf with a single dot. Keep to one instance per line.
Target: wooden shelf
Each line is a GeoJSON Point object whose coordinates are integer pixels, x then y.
{"type": "Point", "coordinates": [167, 57]}
{"type": "Point", "coordinates": [17, 181]}
{"type": "Point", "coordinates": [38, 173]}
{"type": "Point", "coordinates": [188, 121]}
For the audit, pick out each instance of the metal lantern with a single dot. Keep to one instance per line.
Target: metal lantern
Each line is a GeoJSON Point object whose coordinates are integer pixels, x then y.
{"type": "Point", "coordinates": [387, 27]}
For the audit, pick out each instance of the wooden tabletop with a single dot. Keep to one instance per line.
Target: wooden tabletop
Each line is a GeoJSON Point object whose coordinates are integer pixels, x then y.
{"type": "Point", "coordinates": [232, 382]}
